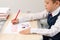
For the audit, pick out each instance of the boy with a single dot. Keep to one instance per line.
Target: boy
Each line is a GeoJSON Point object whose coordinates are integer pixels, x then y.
{"type": "Point", "coordinates": [52, 14]}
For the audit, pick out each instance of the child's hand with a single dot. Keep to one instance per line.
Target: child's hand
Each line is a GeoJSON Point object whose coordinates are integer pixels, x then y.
{"type": "Point", "coordinates": [15, 21]}
{"type": "Point", "coordinates": [26, 31]}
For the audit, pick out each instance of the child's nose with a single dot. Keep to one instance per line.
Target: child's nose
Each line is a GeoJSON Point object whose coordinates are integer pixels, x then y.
{"type": "Point", "coordinates": [45, 5]}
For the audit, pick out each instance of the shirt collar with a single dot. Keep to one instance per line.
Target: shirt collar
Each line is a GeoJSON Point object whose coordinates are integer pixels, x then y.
{"type": "Point", "coordinates": [56, 11]}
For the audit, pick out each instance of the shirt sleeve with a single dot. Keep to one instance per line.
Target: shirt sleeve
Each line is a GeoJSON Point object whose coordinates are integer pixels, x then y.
{"type": "Point", "coordinates": [48, 32]}
{"type": "Point", "coordinates": [33, 16]}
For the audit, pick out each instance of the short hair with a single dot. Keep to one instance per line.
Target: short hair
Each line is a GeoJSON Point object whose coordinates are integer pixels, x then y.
{"type": "Point", "coordinates": [55, 1]}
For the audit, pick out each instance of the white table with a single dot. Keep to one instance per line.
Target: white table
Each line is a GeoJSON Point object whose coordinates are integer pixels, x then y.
{"type": "Point", "coordinates": [20, 36]}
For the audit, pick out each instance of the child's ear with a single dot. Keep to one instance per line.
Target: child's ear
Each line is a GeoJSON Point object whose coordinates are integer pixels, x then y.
{"type": "Point", "coordinates": [57, 3]}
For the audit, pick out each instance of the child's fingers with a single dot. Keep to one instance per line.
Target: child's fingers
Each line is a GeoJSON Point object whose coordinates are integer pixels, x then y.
{"type": "Point", "coordinates": [15, 21]}
{"type": "Point", "coordinates": [26, 31]}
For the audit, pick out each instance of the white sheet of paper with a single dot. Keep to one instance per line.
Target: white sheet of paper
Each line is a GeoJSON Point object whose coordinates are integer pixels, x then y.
{"type": "Point", "coordinates": [16, 28]}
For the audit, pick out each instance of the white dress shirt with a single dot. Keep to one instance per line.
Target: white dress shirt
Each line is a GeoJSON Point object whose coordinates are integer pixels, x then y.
{"type": "Point", "coordinates": [47, 32]}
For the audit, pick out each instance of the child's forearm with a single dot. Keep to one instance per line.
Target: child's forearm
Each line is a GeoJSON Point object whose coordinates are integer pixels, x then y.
{"type": "Point", "coordinates": [33, 16]}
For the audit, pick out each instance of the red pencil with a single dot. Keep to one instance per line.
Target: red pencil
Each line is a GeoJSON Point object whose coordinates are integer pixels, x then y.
{"type": "Point", "coordinates": [14, 20]}
{"type": "Point", "coordinates": [17, 14]}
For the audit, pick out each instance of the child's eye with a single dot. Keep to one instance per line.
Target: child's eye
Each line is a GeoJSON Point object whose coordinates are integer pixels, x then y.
{"type": "Point", "coordinates": [47, 3]}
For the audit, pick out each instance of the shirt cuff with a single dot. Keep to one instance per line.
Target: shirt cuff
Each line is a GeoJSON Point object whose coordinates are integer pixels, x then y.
{"type": "Point", "coordinates": [33, 30]}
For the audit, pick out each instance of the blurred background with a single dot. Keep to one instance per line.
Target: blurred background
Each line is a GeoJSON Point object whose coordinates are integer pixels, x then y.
{"type": "Point", "coordinates": [23, 5]}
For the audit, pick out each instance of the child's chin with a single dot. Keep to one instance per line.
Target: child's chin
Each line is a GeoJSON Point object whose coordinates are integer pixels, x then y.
{"type": "Point", "coordinates": [48, 10]}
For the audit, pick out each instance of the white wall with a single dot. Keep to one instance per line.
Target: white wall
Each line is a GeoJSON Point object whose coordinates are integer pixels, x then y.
{"type": "Point", "coordinates": [23, 5]}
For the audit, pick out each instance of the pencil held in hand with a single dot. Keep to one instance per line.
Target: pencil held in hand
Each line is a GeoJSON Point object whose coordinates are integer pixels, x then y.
{"type": "Point", "coordinates": [17, 14]}
{"type": "Point", "coordinates": [15, 20]}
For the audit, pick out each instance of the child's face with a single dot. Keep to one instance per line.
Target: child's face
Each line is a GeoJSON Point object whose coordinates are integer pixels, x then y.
{"type": "Point", "coordinates": [50, 6]}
